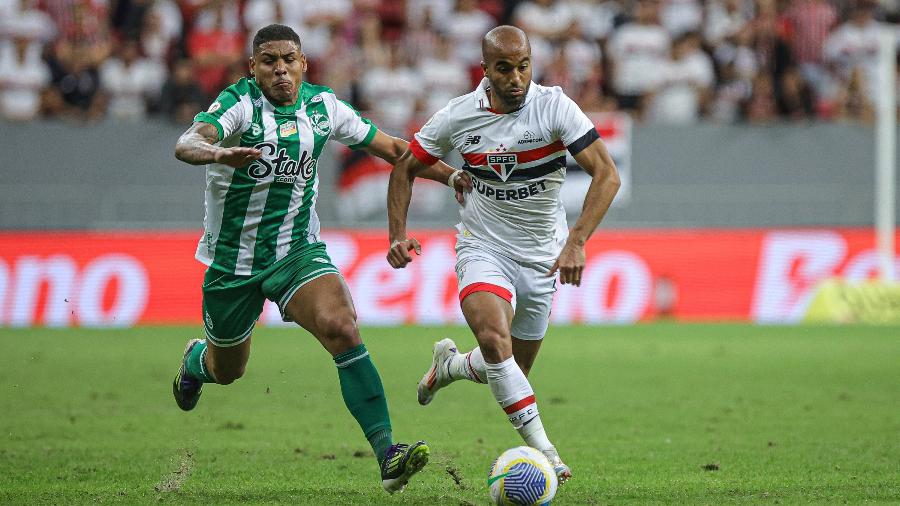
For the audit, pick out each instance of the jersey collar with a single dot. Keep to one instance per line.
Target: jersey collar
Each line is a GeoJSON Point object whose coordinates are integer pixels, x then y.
{"type": "Point", "coordinates": [483, 102]}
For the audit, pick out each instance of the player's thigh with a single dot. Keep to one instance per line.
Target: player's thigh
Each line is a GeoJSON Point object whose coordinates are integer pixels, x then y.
{"type": "Point", "coordinates": [324, 308]}
{"type": "Point", "coordinates": [534, 300]}
{"type": "Point", "coordinates": [487, 296]}
{"type": "Point", "coordinates": [310, 291]}
{"type": "Point", "coordinates": [488, 316]}
{"type": "Point", "coordinates": [231, 306]}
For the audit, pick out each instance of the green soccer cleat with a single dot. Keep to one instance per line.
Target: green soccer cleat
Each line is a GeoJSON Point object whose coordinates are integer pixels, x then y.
{"type": "Point", "coordinates": [400, 463]}
{"type": "Point", "coordinates": [186, 388]}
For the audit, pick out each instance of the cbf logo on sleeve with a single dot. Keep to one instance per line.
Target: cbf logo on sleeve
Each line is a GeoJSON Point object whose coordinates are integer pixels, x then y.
{"type": "Point", "coordinates": [502, 163]}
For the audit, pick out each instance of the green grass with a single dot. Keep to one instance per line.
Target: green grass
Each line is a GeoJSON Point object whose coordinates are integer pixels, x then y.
{"type": "Point", "coordinates": [785, 415]}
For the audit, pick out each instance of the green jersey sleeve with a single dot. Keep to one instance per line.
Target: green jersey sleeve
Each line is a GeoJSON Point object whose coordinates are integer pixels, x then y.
{"type": "Point", "coordinates": [350, 128]}
{"type": "Point", "coordinates": [227, 113]}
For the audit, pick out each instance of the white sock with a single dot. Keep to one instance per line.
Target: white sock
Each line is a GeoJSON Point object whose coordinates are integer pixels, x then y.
{"type": "Point", "coordinates": [468, 366]}
{"type": "Point", "coordinates": [512, 390]}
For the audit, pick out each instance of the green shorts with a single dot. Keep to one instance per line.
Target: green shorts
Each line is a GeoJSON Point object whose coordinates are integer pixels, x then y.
{"type": "Point", "coordinates": [232, 304]}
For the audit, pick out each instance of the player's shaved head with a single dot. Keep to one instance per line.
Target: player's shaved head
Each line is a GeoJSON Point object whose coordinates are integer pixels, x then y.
{"type": "Point", "coordinates": [504, 40]}
{"type": "Point", "coordinates": [506, 60]}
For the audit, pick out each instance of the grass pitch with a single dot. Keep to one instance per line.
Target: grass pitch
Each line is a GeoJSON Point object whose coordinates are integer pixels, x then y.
{"type": "Point", "coordinates": [681, 414]}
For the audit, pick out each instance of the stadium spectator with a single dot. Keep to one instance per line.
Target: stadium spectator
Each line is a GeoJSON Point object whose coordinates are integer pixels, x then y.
{"type": "Point", "coordinates": [216, 43]}
{"type": "Point", "coordinates": [685, 84]}
{"type": "Point", "coordinates": [795, 99]}
{"type": "Point", "coordinates": [681, 16]}
{"type": "Point", "coordinates": [443, 77]}
{"type": "Point", "coordinates": [23, 76]}
{"type": "Point", "coordinates": [636, 51]}
{"type": "Point", "coordinates": [464, 27]}
{"type": "Point", "coordinates": [724, 19]}
{"type": "Point", "coordinates": [544, 19]}
{"type": "Point", "coordinates": [260, 13]}
{"type": "Point", "coordinates": [161, 27]}
{"type": "Point", "coordinates": [852, 102]}
{"type": "Point", "coordinates": [581, 53]}
{"type": "Point", "coordinates": [131, 82]}
{"type": "Point", "coordinates": [181, 96]}
{"type": "Point", "coordinates": [75, 88]}
{"type": "Point", "coordinates": [732, 92]}
{"type": "Point", "coordinates": [761, 106]}
{"type": "Point", "coordinates": [620, 44]}
{"type": "Point", "coordinates": [391, 91]}
{"type": "Point", "coordinates": [596, 18]}
{"type": "Point", "coordinates": [854, 45]}
{"type": "Point", "coordinates": [417, 10]}
{"type": "Point", "coordinates": [809, 23]}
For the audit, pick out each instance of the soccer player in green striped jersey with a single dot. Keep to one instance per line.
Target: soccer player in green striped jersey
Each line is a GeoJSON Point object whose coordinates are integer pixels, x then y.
{"type": "Point", "coordinates": [261, 140]}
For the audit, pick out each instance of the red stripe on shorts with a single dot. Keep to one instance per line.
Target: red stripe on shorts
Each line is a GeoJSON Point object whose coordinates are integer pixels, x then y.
{"type": "Point", "coordinates": [499, 291]}
{"type": "Point", "coordinates": [516, 406]}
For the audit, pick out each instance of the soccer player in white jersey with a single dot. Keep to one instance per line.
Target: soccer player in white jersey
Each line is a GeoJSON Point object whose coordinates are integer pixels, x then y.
{"type": "Point", "coordinates": [261, 140]}
{"type": "Point", "coordinates": [513, 237]}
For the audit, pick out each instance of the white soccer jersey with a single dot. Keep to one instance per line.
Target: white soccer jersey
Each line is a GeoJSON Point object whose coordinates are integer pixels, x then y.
{"type": "Point", "coordinates": [517, 162]}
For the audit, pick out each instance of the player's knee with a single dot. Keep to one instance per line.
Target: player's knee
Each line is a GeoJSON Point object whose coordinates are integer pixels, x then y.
{"type": "Point", "coordinates": [495, 345]}
{"type": "Point", "coordinates": [340, 330]}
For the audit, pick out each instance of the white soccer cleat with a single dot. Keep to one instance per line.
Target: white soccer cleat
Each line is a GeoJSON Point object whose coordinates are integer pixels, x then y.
{"type": "Point", "coordinates": [563, 473]}
{"type": "Point", "coordinates": [437, 376]}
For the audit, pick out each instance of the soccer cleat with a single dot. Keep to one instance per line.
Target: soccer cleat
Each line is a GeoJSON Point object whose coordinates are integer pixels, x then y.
{"type": "Point", "coordinates": [400, 463]}
{"type": "Point", "coordinates": [437, 376]}
{"type": "Point", "coordinates": [563, 473]}
{"type": "Point", "coordinates": [186, 388]}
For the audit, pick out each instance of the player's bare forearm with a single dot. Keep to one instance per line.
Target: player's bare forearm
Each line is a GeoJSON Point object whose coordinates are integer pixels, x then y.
{"type": "Point", "coordinates": [400, 194]}
{"type": "Point", "coordinates": [196, 145]}
{"type": "Point", "coordinates": [390, 149]}
{"type": "Point", "coordinates": [439, 172]}
{"type": "Point", "coordinates": [605, 184]}
{"type": "Point", "coordinates": [386, 147]}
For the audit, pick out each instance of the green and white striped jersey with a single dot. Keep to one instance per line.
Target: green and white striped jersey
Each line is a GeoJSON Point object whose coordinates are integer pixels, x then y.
{"type": "Point", "coordinates": [256, 214]}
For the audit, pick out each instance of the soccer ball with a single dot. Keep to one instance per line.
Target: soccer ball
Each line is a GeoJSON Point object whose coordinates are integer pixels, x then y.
{"type": "Point", "coordinates": [522, 476]}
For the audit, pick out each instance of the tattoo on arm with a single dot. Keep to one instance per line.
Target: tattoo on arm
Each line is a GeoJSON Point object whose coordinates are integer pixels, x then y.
{"type": "Point", "coordinates": [196, 145]}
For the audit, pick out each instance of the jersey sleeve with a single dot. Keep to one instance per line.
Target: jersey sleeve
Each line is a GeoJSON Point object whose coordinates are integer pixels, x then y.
{"type": "Point", "coordinates": [227, 113]}
{"type": "Point", "coordinates": [349, 128]}
{"type": "Point", "coordinates": [432, 142]}
{"type": "Point", "coordinates": [572, 126]}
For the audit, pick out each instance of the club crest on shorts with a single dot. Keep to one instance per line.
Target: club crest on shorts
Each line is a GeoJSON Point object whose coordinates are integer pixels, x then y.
{"type": "Point", "coordinates": [502, 163]}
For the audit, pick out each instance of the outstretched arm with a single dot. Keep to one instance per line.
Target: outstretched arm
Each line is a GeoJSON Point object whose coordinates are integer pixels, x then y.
{"type": "Point", "coordinates": [196, 146]}
{"type": "Point", "coordinates": [399, 194]}
{"type": "Point", "coordinates": [390, 149]}
{"type": "Point", "coordinates": [595, 160]}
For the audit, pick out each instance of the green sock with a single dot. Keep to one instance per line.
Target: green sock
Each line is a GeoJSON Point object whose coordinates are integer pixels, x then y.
{"type": "Point", "coordinates": [196, 365]}
{"type": "Point", "coordinates": [364, 397]}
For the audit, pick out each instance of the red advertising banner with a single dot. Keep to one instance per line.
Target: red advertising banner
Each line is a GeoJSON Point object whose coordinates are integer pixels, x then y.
{"type": "Point", "coordinates": [64, 279]}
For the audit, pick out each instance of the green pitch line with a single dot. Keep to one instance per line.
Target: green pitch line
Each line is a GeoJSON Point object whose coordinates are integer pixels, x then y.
{"type": "Point", "coordinates": [647, 414]}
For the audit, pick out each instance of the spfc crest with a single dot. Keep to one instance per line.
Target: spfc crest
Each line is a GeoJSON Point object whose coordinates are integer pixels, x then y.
{"type": "Point", "coordinates": [502, 163]}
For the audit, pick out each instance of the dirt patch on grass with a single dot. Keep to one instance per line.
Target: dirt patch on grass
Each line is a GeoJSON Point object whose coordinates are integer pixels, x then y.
{"type": "Point", "coordinates": [174, 480]}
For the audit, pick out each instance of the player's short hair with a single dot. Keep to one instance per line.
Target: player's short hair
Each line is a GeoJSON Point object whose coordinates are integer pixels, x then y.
{"type": "Point", "coordinates": [272, 33]}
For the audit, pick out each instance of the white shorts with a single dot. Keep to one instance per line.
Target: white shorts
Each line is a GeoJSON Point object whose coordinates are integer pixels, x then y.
{"type": "Point", "coordinates": [524, 285]}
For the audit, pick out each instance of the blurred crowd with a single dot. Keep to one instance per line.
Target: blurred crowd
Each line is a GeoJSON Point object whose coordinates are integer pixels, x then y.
{"type": "Point", "coordinates": [665, 61]}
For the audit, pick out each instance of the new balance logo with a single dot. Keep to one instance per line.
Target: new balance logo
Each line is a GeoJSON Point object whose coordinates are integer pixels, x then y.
{"type": "Point", "coordinates": [472, 140]}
